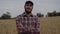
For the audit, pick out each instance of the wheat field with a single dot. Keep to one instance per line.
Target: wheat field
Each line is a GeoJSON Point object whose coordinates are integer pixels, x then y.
{"type": "Point", "coordinates": [48, 25]}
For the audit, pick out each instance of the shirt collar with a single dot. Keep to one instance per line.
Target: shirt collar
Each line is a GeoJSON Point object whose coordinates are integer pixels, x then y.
{"type": "Point", "coordinates": [24, 14]}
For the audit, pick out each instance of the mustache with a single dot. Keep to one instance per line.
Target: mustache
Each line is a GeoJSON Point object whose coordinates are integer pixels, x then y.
{"type": "Point", "coordinates": [27, 8]}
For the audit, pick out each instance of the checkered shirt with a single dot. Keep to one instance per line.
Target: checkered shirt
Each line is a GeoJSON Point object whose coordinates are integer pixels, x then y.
{"type": "Point", "coordinates": [28, 24]}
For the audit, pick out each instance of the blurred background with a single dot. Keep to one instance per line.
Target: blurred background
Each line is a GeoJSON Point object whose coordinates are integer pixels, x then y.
{"type": "Point", "coordinates": [48, 12]}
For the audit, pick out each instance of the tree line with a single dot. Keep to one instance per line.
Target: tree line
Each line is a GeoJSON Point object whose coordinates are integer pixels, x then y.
{"type": "Point", "coordinates": [7, 15]}
{"type": "Point", "coordinates": [54, 13]}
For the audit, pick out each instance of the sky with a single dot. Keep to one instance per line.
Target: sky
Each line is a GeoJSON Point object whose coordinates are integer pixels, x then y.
{"type": "Point", "coordinates": [16, 7]}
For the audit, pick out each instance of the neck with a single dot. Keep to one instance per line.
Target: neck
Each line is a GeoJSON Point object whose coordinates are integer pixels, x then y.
{"type": "Point", "coordinates": [28, 14]}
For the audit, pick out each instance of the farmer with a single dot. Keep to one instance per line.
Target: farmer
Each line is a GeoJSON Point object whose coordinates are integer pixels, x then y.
{"type": "Point", "coordinates": [27, 23]}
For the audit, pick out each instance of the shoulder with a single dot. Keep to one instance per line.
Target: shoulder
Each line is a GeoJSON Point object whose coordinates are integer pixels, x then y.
{"type": "Point", "coordinates": [35, 16]}
{"type": "Point", "coordinates": [19, 16]}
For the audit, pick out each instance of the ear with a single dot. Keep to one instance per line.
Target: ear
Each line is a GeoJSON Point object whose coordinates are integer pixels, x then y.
{"type": "Point", "coordinates": [32, 7]}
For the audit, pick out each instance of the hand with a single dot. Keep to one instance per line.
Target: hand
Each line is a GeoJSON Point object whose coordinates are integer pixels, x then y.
{"type": "Point", "coordinates": [32, 28]}
{"type": "Point", "coordinates": [21, 25]}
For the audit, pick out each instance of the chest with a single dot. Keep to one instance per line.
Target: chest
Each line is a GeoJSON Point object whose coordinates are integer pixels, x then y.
{"type": "Point", "coordinates": [28, 21]}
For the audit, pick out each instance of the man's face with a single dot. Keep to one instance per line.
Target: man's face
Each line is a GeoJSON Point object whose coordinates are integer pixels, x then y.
{"type": "Point", "coordinates": [28, 8]}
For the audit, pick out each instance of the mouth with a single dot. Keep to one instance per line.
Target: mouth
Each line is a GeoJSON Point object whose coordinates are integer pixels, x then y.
{"type": "Point", "coordinates": [28, 9]}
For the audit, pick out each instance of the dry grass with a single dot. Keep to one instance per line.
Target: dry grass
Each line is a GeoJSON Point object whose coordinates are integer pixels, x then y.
{"type": "Point", "coordinates": [49, 25]}
{"type": "Point", "coordinates": [8, 26]}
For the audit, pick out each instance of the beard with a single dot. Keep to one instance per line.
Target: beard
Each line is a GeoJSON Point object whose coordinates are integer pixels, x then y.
{"type": "Point", "coordinates": [28, 11]}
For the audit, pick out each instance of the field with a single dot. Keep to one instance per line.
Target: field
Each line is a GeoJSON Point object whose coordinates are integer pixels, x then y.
{"type": "Point", "coordinates": [48, 25]}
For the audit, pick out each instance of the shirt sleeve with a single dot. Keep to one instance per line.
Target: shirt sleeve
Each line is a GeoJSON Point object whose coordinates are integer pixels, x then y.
{"type": "Point", "coordinates": [37, 26]}
{"type": "Point", "coordinates": [19, 25]}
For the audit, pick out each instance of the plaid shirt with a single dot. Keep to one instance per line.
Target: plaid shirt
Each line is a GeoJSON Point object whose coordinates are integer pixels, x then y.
{"type": "Point", "coordinates": [30, 23]}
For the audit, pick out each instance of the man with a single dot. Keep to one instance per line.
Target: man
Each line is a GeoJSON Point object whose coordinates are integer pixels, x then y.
{"type": "Point", "coordinates": [27, 23]}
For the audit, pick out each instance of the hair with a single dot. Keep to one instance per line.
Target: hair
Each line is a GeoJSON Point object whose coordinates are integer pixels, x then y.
{"type": "Point", "coordinates": [29, 2]}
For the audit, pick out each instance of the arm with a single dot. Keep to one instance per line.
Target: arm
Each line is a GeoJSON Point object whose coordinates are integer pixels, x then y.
{"type": "Point", "coordinates": [18, 24]}
{"type": "Point", "coordinates": [37, 26]}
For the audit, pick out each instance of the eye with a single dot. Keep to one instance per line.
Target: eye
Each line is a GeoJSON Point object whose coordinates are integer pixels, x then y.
{"type": "Point", "coordinates": [27, 5]}
{"type": "Point", "coordinates": [30, 5]}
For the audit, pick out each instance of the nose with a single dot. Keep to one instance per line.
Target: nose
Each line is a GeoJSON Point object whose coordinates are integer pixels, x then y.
{"type": "Point", "coordinates": [28, 6]}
